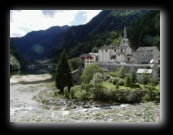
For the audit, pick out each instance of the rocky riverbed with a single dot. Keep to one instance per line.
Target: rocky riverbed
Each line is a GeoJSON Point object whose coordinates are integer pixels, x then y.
{"type": "Point", "coordinates": [35, 102]}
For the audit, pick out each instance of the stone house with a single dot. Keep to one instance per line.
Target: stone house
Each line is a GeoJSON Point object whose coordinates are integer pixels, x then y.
{"type": "Point", "coordinates": [145, 54]}
{"type": "Point", "coordinates": [76, 76]}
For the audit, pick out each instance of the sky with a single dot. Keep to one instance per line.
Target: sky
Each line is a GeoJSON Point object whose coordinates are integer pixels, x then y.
{"type": "Point", "coordinates": [24, 21]}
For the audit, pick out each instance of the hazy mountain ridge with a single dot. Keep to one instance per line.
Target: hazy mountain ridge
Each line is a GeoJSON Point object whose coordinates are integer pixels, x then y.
{"type": "Point", "coordinates": [105, 28]}
{"type": "Point", "coordinates": [41, 40]}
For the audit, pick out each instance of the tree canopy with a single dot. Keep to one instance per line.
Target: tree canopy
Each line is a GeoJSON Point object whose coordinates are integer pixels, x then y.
{"type": "Point", "coordinates": [63, 74]}
{"type": "Point", "coordinates": [88, 73]}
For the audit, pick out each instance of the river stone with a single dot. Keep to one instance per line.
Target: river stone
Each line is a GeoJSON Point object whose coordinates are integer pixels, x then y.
{"type": "Point", "coordinates": [86, 106]}
{"type": "Point", "coordinates": [138, 114]}
{"type": "Point", "coordinates": [46, 107]}
{"type": "Point", "coordinates": [55, 108]}
{"type": "Point", "coordinates": [73, 107]}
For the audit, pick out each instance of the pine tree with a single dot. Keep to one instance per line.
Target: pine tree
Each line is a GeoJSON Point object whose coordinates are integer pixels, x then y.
{"type": "Point", "coordinates": [63, 75]}
{"type": "Point", "coordinates": [122, 72]}
{"type": "Point", "coordinates": [127, 81]}
{"type": "Point", "coordinates": [133, 75]}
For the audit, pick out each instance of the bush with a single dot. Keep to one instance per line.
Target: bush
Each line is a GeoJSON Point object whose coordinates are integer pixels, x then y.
{"type": "Point", "coordinates": [117, 85]}
{"type": "Point", "coordinates": [114, 81]}
{"type": "Point", "coordinates": [86, 86]}
{"type": "Point", "coordinates": [56, 91]}
{"type": "Point", "coordinates": [145, 78]}
{"type": "Point", "coordinates": [83, 95]}
{"type": "Point", "coordinates": [127, 81]}
{"type": "Point", "coordinates": [121, 83]}
{"type": "Point", "coordinates": [72, 92]}
{"type": "Point", "coordinates": [103, 96]}
{"type": "Point", "coordinates": [110, 80]}
{"type": "Point", "coordinates": [89, 72]}
{"type": "Point", "coordinates": [122, 72]}
{"type": "Point", "coordinates": [131, 96]}
{"type": "Point", "coordinates": [66, 93]}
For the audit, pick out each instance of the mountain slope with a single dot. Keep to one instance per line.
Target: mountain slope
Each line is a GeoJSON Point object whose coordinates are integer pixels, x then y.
{"type": "Point", "coordinates": [36, 44]}
{"type": "Point", "coordinates": [16, 57]}
{"type": "Point", "coordinates": [82, 39]}
{"type": "Point", "coordinates": [145, 31]}
{"type": "Point", "coordinates": [105, 28]}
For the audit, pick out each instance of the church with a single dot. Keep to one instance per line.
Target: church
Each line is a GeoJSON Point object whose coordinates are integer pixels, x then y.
{"type": "Point", "coordinates": [112, 53]}
{"type": "Point", "coordinates": [123, 53]}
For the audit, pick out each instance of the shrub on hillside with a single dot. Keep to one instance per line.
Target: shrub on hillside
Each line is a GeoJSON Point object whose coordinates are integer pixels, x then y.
{"type": "Point", "coordinates": [66, 93]}
{"type": "Point", "coordinates": [121, 83]}
{"type": "Point", "coordinates": [114, 81]}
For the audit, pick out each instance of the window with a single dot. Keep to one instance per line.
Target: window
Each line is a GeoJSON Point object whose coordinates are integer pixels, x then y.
{"type": "Point", "coordinates": [128, 59]}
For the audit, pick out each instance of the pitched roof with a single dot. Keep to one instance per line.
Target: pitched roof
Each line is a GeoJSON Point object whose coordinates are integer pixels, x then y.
{"type": "Point", "coordinates": [147, 71]}
{"type": "Point", "coordinates": [96, 54]}
{"type": "Point", "coordinates": [84, 55]}
{"type": "Point", "coordinates": [111, 46]}
{"type": "Point", "coordinates": [147, 48]}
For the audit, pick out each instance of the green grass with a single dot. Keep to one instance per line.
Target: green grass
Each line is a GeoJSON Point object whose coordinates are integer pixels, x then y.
{"type": "Point", "coordinates": [113, 74]}
{"type": "Point", "coordinates": [110, 86]}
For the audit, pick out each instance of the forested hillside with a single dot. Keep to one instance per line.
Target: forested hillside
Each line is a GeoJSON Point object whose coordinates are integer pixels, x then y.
{"type": "Point", "coordinates": [17, 61]}
{"type": "Point", "coordinates": [143, 27]}
{"type": "Point", "coordinates": [145, 31]}
{"type": "Point", "coordinates": [36, 44]}
{"type": "Point", "coordinates": [105, 28]}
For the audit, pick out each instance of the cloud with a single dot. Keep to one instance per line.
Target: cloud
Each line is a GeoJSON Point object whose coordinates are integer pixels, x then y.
{"type": "Point", "coordinates": [11, 14]}
{"type": "Point", "coordinates": [50, 13]}
{"type": "Point", "coordinates": [24, 21]}
{"type": "Point", "coordinates": [79, 18]}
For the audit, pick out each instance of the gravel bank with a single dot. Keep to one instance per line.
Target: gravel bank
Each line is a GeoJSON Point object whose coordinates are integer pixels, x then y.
{"type": "Point", "coordinates": [26, 105]}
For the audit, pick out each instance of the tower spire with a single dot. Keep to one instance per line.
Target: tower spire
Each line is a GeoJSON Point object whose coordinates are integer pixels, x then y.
{"type": "Point", "coordinates": [125, 33]}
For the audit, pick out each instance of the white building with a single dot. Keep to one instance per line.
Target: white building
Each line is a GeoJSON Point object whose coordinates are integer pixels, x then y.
{"type": "Point", "coordinates": [112, 53]}
{"type": "Point", "coordinates": [90, 59]}
{"type": "Point", "coordinates": [123, 53]}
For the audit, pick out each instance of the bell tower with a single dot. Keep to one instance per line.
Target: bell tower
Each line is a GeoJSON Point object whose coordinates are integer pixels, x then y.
{"type": "Point", "coordinates": [125, 40]}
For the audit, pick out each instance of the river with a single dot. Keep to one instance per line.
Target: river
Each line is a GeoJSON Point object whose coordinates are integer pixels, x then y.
{"type": "Point", "coordinates": [32, 100]}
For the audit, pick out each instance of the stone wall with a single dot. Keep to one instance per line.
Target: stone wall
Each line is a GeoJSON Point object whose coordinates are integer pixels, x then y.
{"type": "Point", "coordinates": [113, 67]}
{"type": "Point", "coordinates": [76, 76]}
